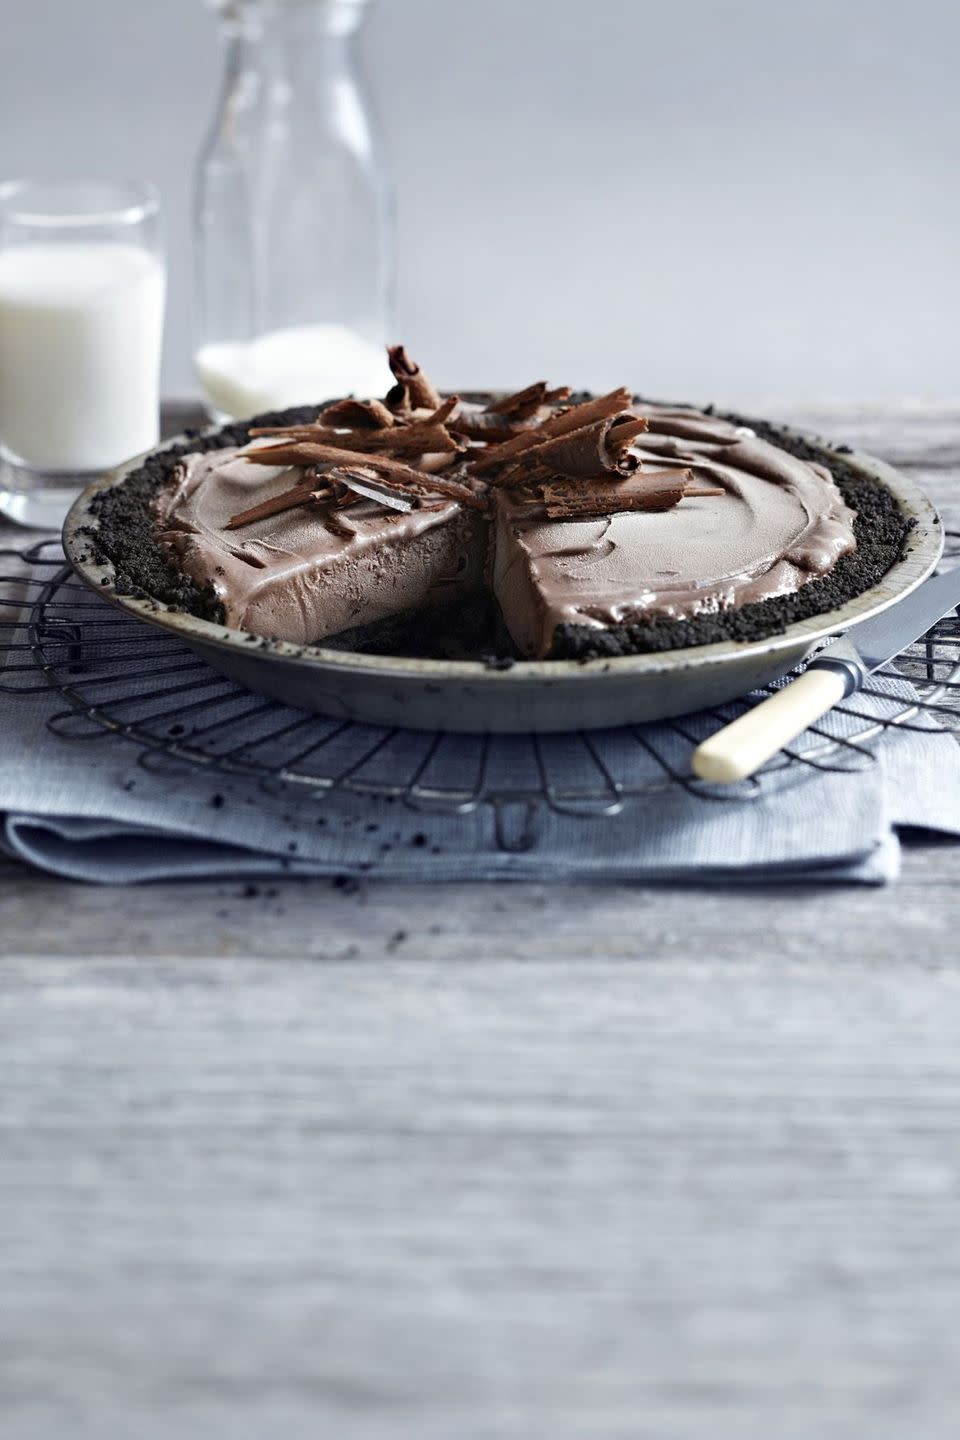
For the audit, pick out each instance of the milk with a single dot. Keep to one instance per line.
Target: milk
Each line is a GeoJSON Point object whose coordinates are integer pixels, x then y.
{"type": "Point", "coordinates": [300, 365]}
{"type": "Point", "coordinates": [80, 332]}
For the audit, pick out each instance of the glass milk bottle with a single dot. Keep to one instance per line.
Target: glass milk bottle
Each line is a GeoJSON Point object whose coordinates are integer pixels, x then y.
{"type": "Point", "coordinates": [294, 233]}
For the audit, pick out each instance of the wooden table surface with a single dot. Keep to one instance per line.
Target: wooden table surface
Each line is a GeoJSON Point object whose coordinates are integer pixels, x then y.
{"type": "Point", "coordinates": [462, 1162]}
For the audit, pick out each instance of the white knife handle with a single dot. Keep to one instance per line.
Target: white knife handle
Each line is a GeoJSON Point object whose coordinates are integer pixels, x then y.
{"type": "Point", "coordinates": [739, 750]}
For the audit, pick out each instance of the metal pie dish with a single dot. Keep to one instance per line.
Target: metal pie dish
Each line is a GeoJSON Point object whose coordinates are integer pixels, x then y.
{"type": "Point", "coordinates": [531, 696]}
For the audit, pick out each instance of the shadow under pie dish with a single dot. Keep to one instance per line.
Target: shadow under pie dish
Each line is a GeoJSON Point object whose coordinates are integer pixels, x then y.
{"type": "Point", "coordinates": [538, 561]}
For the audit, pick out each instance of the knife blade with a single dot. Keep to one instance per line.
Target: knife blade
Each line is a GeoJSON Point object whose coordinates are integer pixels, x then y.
{"type": "Point", "coordinates": [738, 750]}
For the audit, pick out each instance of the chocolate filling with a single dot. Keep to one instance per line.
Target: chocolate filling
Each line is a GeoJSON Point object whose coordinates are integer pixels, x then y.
{"type": "Point", "coordinates": [126, 535]}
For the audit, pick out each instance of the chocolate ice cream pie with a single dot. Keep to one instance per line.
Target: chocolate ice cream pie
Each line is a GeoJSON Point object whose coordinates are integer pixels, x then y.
{"type": "Point", "coordinates": [600, 525]}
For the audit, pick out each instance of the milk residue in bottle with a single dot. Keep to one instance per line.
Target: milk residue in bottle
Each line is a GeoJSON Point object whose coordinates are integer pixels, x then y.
{"type": "Point", "coordinates": [295, 366]}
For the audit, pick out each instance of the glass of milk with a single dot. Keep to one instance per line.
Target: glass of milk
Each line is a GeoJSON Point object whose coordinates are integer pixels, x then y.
{"type": "Point", "coordinates": [81, 325]}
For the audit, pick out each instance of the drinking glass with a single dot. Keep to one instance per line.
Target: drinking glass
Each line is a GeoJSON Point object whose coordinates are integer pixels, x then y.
{"type": "Point", "coordinates": [81, 325]}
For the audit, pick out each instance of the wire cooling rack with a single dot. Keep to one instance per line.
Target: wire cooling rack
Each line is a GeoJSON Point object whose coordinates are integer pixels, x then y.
{"type": "Point", "coordinates": [117, 677]}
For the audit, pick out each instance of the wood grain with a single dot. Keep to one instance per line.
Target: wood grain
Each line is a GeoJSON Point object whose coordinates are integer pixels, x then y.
{"type": "Point", "coordinates": [462, 1162]}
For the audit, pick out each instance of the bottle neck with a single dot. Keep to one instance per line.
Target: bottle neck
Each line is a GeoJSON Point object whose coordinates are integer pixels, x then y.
{"type": "Point", "coordinates": [279, 27]}
{"type": "Point", "coordinates": [295, 56]}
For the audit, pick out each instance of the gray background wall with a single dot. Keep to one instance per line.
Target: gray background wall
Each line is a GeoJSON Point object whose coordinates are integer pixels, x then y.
{"type": "Point", "coordinates": [736, 198]}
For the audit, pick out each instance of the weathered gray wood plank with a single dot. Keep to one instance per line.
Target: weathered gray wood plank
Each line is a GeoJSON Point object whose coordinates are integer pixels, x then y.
{"type": "Point", "coordinates": [606, 1199]}
{"type": "Point", "coordinates": [377, 920]}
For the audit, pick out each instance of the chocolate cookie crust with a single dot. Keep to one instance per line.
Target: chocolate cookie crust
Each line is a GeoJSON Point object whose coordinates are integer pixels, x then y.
{"type": "Point", "coordinates": [126, 536]}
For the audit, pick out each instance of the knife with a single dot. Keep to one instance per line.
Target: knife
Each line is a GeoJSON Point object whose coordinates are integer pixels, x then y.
{"type": "Point", "coordinates": [842, 668]}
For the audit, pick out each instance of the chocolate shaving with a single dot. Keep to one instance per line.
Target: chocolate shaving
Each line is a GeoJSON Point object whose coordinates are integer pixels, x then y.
{"type": "Point", "coordinates": [573, 463]}
{"type": "Point", "coordinates": [397, 400]}
{"type": "Point", "coordinates": [482, 425]}
{"type": "Point", "coordinates": [312, 452]}
{"type": "Point", "coordinates": [417, 388]}
{"type": "Point", "coordinates": [354, 415]}
{"type": "Point", "coordinates": [521, 404]}
{"type": "Point", "coordinates": [509, 416]}
{"type": "Point", "coordinates": [416, 439]}
{"type": "Point", "coordinates": [604, 407]}
{"type": "Point", "coordinates": [582, 454]}
{"type": "Point", "coordinates": [335, 523]}
{"type": "Point", "coordinates": [317, 452]}
{"type": "Point", "coordinates": [524, 404]}
{"type": "Point", "coordinates": [276, 505]}
{"type": "Point", "coordinates": [303, 452]}
{"type": "Point", "coordinates": [332, 488]}
{"type": "Point", "coordinates": [444, 410]}
{"type": "Point", "coordinates": [291, 432]}
{"type": "Point", "coordinates": [625, 429]}
{"type": "Point", "coordinates": [433, 484]}
{"type": "Point", "coordinates": [658, 490]}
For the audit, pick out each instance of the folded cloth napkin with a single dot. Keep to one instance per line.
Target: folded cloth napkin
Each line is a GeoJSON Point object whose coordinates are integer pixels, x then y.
{"type": "Point", "coordinates": [90, 810]}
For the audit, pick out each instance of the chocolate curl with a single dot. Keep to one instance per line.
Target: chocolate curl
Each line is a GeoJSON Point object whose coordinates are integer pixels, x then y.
{"type": "Point", "coordinates": [276, 505]}
{"type": "Point", "coordinates": [446, 408]}
{"type": "Point", "coordinates": [335, 523]}
{"type": "Point", "coordinates": [524, 404]}
{"type": "Point", "coordinates": [354, 415]}
{"type": "Point", "coordinates": [509, 416]}
{"type": "Point", "coordinates": [397, 400]}
{"type": "Point", "coordinates": [453, 489]}
{"type": "Point", "coordinates": [582, 455]}
{"type": "Point", "coordinates": [333, 488]}
{"type": "Point", "coordinates": [625, 429]}
{"type": "Point", "coordinates": [425, 439]}
{"type": "Point", "coordinates": [290, 432]}
{"type": "Point", "coordinates": [313, 452]}
{"type": "Point", "coordinates": [417, 387]}
{"type": "Point", "coordinates": [428, 437]}
{"type": "Point", "coordinates": [656, 491]}
{"type": "Point", "coordinates": [330, 491]}
{"type": "Point", "coordinates": [304, 452]}
{"type": "Point", "coordinates": [603, 408]}
{"type": "Point", "coordinates": [483, 425]}
{"type": "Point", "coordinates": [598, 449]}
